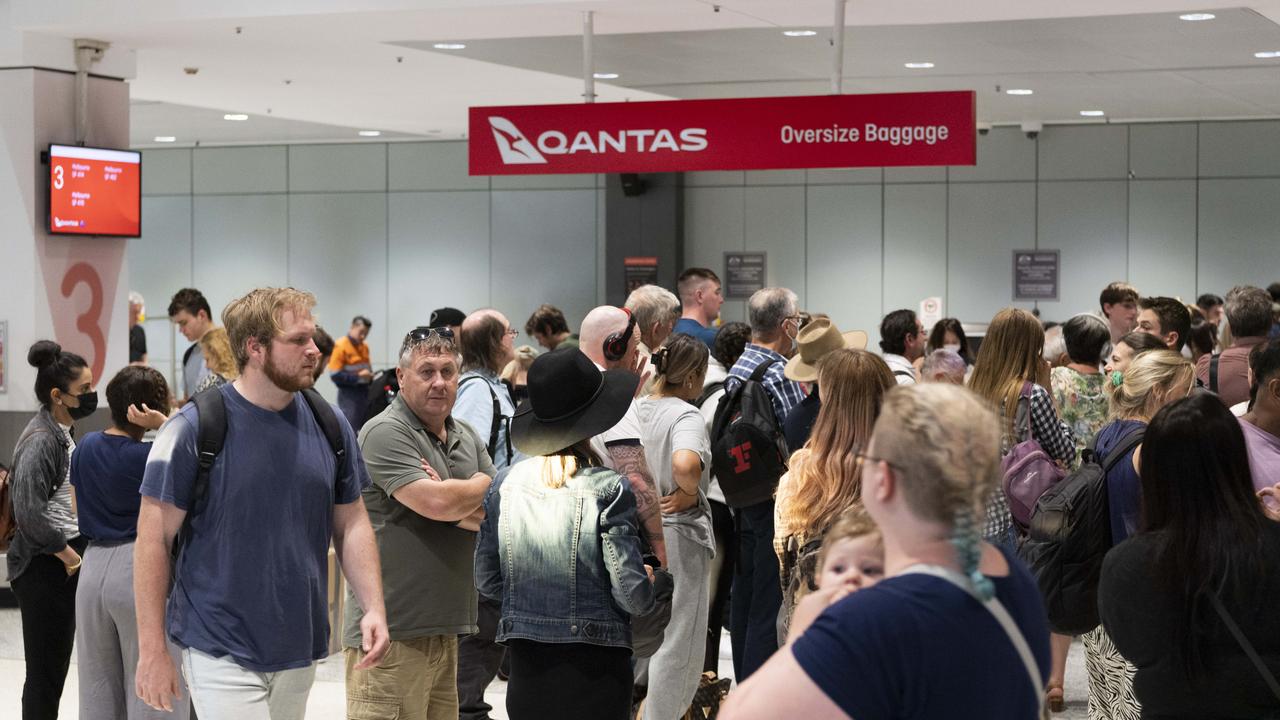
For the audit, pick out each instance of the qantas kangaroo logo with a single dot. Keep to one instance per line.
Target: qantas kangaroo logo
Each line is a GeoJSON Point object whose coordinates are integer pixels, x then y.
{"type": "Point", "coordinates": [513, 145]}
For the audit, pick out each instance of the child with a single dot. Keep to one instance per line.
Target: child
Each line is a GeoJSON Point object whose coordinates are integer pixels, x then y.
{"type": "Point", "coordinates": [851, 558]}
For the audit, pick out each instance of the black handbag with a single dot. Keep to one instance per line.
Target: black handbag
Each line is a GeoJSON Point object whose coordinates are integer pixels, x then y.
{"type": "Point", "coordinates": [647, 630]}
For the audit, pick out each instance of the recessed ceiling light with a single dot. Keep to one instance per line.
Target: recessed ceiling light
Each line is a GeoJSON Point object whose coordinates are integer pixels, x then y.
{"type": "Point", "coordinates": [235, 116]}
{"type": "Point", "coordinates": [1093, 113]}
{"type": "Point", "coordinates": [1018, 91]}
{"type": "Point", "coordinates": [449, 46]}
{"type": "Point", "coordinates": [166, 138]}
{"type": "Point", "coordinates": [1197, 17]}
{"type": "Point", "coordinates": [1266, 54]}
{"type": "Point", "coordinates": [799, 33]}
{"type": "Point", "coordinates": [918, 65]}
{"type": "Point", "coordinates": [605, 76]}
{"type": "Point", "coordinates": [370, 133]}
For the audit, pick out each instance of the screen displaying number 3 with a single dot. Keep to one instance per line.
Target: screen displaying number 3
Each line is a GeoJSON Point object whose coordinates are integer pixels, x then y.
{"type": "Point", "coordinates": [89, 322]}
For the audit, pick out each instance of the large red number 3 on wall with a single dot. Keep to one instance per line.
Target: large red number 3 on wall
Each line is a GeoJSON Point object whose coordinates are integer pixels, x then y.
{"type": "Point", "coordinates": [89, 322]}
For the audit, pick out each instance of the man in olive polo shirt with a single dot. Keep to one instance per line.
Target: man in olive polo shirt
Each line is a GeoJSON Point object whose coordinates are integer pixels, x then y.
{"type": "Point", "coordinates": [430, 474]}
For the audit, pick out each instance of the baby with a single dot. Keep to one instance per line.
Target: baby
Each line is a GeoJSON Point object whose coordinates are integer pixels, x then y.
{"type": "Point", "coordinates": [851, 558]}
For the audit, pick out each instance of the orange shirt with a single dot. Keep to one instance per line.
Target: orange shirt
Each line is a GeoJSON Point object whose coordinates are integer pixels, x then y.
{"type": "Point", "coordinates": [349, 357]}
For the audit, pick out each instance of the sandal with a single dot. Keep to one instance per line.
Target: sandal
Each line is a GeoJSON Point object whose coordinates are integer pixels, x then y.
{"type": "Point", "coordinates": [1055, 698]}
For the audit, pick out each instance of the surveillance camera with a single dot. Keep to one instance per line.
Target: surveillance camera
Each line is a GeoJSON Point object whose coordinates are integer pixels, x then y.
{"type": "Point", "coordinates": [984, 128]}
{"type": "Point", "coordinates": [1032, 129]}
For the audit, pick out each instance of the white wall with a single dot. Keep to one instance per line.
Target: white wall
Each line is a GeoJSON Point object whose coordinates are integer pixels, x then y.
{"type": "Point", "coordinates": [1177, 209]}
{"type": "Point", "coordinates": [387, 230]}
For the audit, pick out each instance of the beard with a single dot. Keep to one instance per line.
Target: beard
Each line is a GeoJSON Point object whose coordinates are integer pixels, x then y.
{"type": "Point", "coordinates": [301, 379]}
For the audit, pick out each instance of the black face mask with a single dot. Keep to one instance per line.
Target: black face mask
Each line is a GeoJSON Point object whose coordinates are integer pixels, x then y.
{"type": "Point", "coordinates": [88, 403]}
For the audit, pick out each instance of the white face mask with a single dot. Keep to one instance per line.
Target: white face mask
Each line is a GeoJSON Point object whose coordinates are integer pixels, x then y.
{"type": "Point", "coordinates": [953, 347]}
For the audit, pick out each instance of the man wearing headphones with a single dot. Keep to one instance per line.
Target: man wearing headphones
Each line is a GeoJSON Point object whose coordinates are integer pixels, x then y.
{"type": "Point", "coordinates": [609, 337]}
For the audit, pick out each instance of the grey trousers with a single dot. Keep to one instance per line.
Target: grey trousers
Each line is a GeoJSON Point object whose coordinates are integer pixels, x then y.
{"type": "Point", "coordinates": [107, 640]}
{"type": "Point", "coordinates": [675, 669]}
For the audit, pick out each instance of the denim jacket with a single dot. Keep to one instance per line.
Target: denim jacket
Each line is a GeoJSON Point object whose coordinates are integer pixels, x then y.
{"type": "Point", "coordinates": [565, 562]}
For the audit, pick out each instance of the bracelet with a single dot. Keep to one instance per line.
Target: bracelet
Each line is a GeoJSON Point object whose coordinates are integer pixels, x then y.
{"type": "Point", "coordinates": [76, 566]}
{"type": "Point", "coordinates": [690, 494]}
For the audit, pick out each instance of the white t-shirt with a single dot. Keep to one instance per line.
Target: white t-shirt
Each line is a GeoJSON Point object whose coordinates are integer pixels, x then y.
{"type": "Point", "coordinates": [667, 425]}
{"type": "Point", "coordinates": [627, 430]}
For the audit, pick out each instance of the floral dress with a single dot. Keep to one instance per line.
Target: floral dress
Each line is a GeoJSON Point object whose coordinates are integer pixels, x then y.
{"type": "Point", "coordinates": [1082, 404]}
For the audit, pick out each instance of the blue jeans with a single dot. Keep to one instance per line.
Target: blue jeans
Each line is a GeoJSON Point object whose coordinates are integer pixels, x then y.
{"type": "Point", "coordinates": [757, 593]}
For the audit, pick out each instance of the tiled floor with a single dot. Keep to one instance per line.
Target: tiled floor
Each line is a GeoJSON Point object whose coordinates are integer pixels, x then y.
{"type": "Point", "coordinates": [328, 698]}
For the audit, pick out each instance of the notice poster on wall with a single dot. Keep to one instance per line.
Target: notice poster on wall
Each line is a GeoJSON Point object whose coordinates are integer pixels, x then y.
{"type": "Point", "coordinates": [770, 133]}
{"type": "Point", "coordinates": [1035, 274]}
{"type": "Point", "coordinates": [4, 354]}
{"type": "Point", "coordinates": [930, 311]}
{"type": "Point", "coordinates": [744, 273]}
{"type": "Point", "coordinates": [640, 271]}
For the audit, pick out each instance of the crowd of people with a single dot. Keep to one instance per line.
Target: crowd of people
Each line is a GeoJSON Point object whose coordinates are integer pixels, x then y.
{"type": "Point", "coordinates": [586, 521]}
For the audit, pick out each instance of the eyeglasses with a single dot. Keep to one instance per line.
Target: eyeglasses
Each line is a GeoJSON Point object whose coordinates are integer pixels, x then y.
{"type": "Point", "coordinates": [511, 332]}
{"type": "Point", "coordinates": [862, 456]}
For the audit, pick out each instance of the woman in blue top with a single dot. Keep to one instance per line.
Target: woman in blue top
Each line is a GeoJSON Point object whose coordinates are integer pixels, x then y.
{"type": "Point", "coordinates": [560, 548]}
{"type": "Point", "coordinates": [957, 627]}
{"type": "Point", "coordinates": [1152, 380]}
{"type": "Point", "coordinates": [106, 471]}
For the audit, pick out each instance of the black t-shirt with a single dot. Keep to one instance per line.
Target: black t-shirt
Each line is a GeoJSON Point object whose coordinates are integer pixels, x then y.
{"type": "Point", "coordinates": [1144, 623]}
{"type": "Point", "coordinates": [799, 423]}
{"type": "Point", "coordinates": [137, 343]}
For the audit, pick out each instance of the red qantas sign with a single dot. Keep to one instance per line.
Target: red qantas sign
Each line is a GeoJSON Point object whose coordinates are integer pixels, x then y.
{"type": "Point", "coordinates": [934, 128]}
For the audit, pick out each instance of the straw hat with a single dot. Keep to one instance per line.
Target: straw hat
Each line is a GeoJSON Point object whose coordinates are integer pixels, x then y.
{"type": "Point", "coordinates": [818, 338]}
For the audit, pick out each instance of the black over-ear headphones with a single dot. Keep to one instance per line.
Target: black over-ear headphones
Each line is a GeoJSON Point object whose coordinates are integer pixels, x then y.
{"type": "Point", "coordinates": [615, 346]}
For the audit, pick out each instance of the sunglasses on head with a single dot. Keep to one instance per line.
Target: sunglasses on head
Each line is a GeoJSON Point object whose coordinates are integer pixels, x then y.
{"type": "Point", "coordinates": [421, 333]}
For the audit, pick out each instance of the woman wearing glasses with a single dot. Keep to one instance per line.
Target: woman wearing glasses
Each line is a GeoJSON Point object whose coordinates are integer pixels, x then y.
{"type": "Point", "coordinates": [956, 627]}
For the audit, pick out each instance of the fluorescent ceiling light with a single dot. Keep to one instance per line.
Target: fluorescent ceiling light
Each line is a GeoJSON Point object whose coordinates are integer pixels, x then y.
{"type": "Point", "coordinates": [449, 46]}
{"type": "Point", "coordinates": [1018, 91]}
{"type": "Point", "coordinates": [1197, 17]}
{"type": "Point", "coordinates": [235, 116]}
{"type": "Point", "coordinates": [370, 133]}
{"type": "Point", "coordinates": [1266, 54]}
{"type": "Point", "coordinates": [918, 65]}
{"type": "Point", "coordinates": [166, 138]}
{"type": "Point", "coordinates": [1093, 113]}
{"type": "Point", "coordinates": [605, 76]}
{"type": "Point", "coordinates": [799, 33]}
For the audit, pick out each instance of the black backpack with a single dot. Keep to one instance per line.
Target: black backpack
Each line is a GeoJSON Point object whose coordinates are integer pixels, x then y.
{"type": "Point", "coordinates": [799, 578]}
{"type": "Point", "coordinates": [211, 434]}
{"type": "Point", "coordinates": [748, 451]}
{"type": "Point", "coordinates": [498, 420]}
{"type": "Point", "coordinates": [1070, 534]}
{"type": "Point", "coordinates": [384, 388]}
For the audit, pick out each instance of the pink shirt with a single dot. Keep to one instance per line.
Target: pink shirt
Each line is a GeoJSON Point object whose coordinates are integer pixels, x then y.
{"type": "Point", "coordinates": [1264, 455]}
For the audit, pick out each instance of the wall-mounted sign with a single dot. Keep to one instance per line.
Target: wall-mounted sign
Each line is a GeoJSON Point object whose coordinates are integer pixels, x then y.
{"type": "Point", "coordinates": [744, 273]}
{"type": "Point", "coordinates": [640, 271]}
{"type": "Point", "coordinates": [1035, 274]}
{"type": "Point", "coordinates": [931, 128]}
{"type": "Point", "coordinates": [930, 312]}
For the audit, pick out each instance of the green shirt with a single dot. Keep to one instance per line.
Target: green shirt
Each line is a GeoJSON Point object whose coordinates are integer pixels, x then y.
{"type": "Point", "coordinates": [571, 341]}
{"type": "Point", "coordinates": [428, 579]}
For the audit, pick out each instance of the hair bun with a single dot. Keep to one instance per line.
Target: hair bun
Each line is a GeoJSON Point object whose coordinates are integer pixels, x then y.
{"type": "Point", "coordinates": [43, 353]}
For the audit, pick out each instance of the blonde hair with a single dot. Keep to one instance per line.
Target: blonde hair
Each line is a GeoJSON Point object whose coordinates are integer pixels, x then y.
{"type": "Point", "coordinates": [258, 315]}
{"type": "Point", "coordinates": [1152, 370]}
{"type": "Point", "coordinates": [943, 443]}
{"type": "Point", "coordinates": [682, 359]}
{"type": "Point", "coordinates": [520, 363]}
{"type": "Point", "coordinates": [823, 476]}
{"type": "Point", "coordinates": [557, 468]}
{"type": "Point", "coordinates": [216, 348]}
{"type": "Point", "coordinates": [850, 525]}
{"type": "Point", "coordinates": [1010, 355]}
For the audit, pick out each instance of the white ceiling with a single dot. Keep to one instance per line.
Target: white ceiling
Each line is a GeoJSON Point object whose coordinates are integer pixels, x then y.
{"type": "Point", "coordinates": [367, 64]}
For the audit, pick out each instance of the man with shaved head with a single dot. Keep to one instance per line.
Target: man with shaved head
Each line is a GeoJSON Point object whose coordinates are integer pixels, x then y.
{"type": "Point", "coordinates": [609, 337]}
{"type": "Point", "coordinates": [485, 404]}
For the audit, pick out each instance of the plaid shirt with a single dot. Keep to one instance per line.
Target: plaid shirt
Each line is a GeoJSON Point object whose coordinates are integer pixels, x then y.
{"type": "Point", "coordinates": [784, 393]}
{"type": "Point", "coordinates": [1055, 438]}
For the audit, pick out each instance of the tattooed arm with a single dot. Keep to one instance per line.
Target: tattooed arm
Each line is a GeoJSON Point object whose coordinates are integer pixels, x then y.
{"type": "Point", "coordinates": [628, 459]}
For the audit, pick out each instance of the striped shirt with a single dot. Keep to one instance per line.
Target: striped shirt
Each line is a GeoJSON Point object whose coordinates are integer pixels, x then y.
{"type": "Point", "coordinates": [59, 509]}
{"type": "Point", "coordinates": [784, 393]}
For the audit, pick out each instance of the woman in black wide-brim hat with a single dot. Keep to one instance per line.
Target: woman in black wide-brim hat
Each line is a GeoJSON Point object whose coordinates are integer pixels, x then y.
{"type": "Point", "coordinates": [560, 548]}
